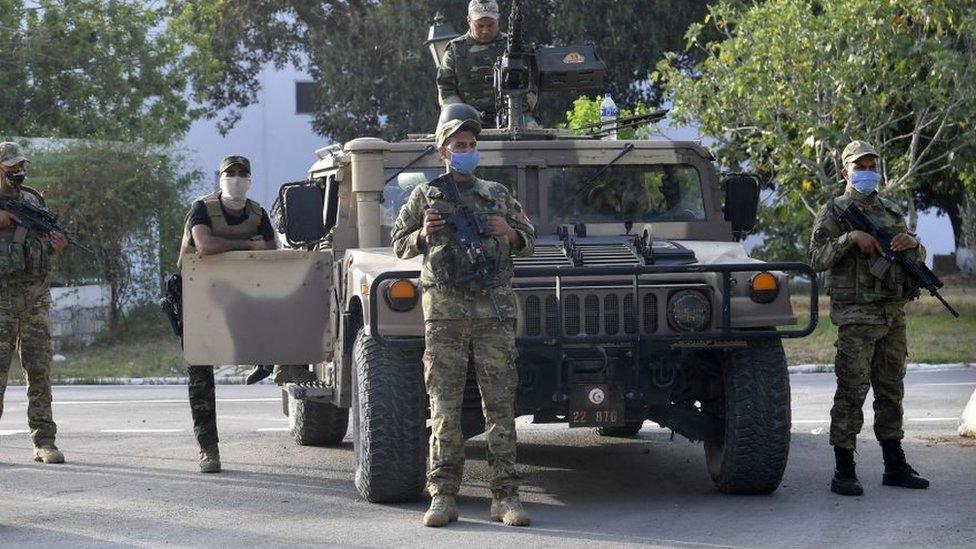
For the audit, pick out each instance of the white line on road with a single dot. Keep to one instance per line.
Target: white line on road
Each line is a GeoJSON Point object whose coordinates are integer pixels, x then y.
{"type": "Point", "coordinates": [141, 431]}
{"type": "Point", "coordinates": [13, 432]}
{"type": "Point", "coordinates": [268, 429]}
{"type": "Point", "coordinates": [933, 419]}
{"type": "Point", "coordinates": [162, 401]}
{"type": "Point", "coordinates": [961, 384]}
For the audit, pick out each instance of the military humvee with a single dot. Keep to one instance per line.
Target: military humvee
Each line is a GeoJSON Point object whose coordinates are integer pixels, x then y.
{"type": "Point", "coordinates": [639, 303]}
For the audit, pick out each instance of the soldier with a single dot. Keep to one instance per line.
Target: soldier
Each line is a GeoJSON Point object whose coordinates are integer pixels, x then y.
{"type": "Point", "coordinates": [26, 259]}
{"type": "Point", "coordinates": [467, 72]}
{"type": "Point", "coordinates": [868, 307]}
{"type": "Point", "coordinates": [223, 221]}
{"type": "Point", "coordinates": [461, 322]}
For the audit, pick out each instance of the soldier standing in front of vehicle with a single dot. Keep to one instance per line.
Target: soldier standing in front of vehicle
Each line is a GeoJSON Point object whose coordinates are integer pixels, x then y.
{"type": "Point", "coordinates": [26, 259]}
{"type": "Point", "coordinates": [220, 222]}
{"type": "Point", "coordinates": [868, 307]}
{"type": "Point", "coordinates": [466, 74]}
{"type": "Point", "coordinates": [467, 318]}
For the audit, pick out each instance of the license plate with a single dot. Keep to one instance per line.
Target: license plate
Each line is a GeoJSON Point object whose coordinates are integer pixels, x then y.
{"type": "Point", "coordinates": [595, 405]}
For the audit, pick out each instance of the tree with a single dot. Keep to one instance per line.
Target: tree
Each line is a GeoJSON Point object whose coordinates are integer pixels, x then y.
{"type": "Point", "coordinates": [792, 81]}
{"type": "Point", "coordinates": [373, 72]}
{"type": "Point", "coordinates": [94, 69]}
{"type": "Point", "coordinates": [125, 203]}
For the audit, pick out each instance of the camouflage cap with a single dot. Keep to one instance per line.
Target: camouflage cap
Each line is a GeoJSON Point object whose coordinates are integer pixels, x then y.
{"type": "Point", "coordinates": [479, 9]}
{"type": "Point", "coordinates": [454, 118]}
{"type": "Point", "coordinates": [855, 150]}
{"type": "Point", "coordinates": [229, 161]}
{"type": "Point", "coordinates": [11, 154]}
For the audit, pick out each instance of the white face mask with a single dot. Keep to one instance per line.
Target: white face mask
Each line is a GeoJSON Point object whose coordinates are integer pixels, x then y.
{"type": "Point", "coordinates": [233, 191]}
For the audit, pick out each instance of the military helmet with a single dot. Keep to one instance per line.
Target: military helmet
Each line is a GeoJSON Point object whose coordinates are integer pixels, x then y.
{"type": "Point", "coordinates": [454, 118]}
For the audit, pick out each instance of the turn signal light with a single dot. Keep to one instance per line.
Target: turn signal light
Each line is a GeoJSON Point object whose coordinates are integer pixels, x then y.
{"type": "Point", "coordinates": [401, 296]}
{"type": "Point", "coordinates": [764, 287]}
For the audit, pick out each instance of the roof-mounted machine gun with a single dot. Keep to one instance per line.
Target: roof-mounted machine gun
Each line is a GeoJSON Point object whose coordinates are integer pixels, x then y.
{"type": "Point", "coordinates": [524, 68]}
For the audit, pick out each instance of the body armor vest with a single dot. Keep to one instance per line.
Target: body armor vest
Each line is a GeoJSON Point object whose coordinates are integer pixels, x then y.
{"type": "Point", "coordinates": [25, 253]}
{"type": "Point", "coordinates": [219, 226]}
{"type": "Point", "coordinates": [862, 279]}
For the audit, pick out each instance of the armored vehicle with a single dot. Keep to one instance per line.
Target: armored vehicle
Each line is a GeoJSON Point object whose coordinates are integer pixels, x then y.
{"type": "Point", "coordinates": [640, 303]}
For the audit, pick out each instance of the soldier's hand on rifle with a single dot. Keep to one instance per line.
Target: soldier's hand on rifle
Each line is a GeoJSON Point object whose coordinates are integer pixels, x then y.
{"type": "Point", "coordinates": [903, 242]}
{"type": "Point", "coordinates": [433, 222]}
{"type": "Point", "coordinates": [866, 243]}
{"type": "Point", "coordinates": [7, 218]}
{"type": "Point", "coordinates": [59, 242]}
{"type": "Point", "coordinates": [500, 227]}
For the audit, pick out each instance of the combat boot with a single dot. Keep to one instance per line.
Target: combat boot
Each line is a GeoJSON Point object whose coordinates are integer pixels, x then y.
{"type": "Point", "coordinates": [210, 459]}
{"type": "Point", "coordinates": [897, 471]}
{"type": "Point", "coordinates": [257, 374]}
{"type": "Point", "coordinates": [509, 510]}
{"type": "Point", "coordinates": [845, 480]}
{"type": "Point", "coordinates": [443, 509]}
{"type": "Point", "coordinates": [48, 453]}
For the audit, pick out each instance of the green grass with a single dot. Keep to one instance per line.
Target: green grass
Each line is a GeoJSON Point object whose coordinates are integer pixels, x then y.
{"type": "Point", "coordinates": [934, 336]}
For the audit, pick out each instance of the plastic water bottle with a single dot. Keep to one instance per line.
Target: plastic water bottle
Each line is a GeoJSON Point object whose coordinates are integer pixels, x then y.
{"type": "Point", "coordinates": [608, 116]}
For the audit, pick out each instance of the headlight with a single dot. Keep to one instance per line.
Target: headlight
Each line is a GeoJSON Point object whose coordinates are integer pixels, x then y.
{"type": "Point", "coordinates": [401, 296]}
{"type": "Point", "coordinates": [764, 287]}
{"type": "Point", "coordinates": [689, 311]}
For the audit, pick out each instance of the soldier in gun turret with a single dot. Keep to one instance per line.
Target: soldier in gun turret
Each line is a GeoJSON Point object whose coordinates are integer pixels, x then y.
{"type": "Point", "coordinates": [26, 259]}
{"type": "Point", "coordinates": [466, 317]}
{"type": "Point", "coordinates": [467, 72]}
{"type": "Point", "coordinates": [867, 303]}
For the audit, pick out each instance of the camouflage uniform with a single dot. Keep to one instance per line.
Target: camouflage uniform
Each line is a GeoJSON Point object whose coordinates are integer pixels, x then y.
{"type": "Point", "coordinates": [461, 324]}
{"type": "Point", "coordinates": [467, 76]}
{"type": "Point", "coordinates": [26, 259]}
{"type": "Point", "coordinates": [870, 314]}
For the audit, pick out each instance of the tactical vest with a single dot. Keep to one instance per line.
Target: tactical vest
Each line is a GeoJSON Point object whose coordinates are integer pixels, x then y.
{"type": "Point", "coordinates": [219, 226]}
{"type": "Point", "coordinates": [475, 71]}
{"type": "Point", "coordinates": [25, 253]}
{"type": "Point", "coordinates": [445, 263]}
{"type": "Point", "coordinates": [851, 279]}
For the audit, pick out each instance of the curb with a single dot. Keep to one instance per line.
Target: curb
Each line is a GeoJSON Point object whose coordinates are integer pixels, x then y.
{"type": "Point", "coordinates": [911, 367]}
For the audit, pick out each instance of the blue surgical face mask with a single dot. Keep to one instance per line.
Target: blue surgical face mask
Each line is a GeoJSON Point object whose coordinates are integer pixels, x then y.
{"type": "Point", "coordinates": [464, 162]}
{"type": "Point", "coordinates": [865, 181]}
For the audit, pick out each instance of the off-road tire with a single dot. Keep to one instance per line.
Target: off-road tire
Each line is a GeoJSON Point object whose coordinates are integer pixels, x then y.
{"type": "Point", "coordinates": [627, 430]}
{"type": "Point", "coordinates": [317, 423]}
{"type": "Point", "coordinates": [753, 455]}
{"type": "Point", "coordinates": [389, 421]}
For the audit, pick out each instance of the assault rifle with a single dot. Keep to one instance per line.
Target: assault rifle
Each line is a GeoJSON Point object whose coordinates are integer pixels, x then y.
{"type": "Point", "coordinates": [922, 276]}
{"type": "Point", "coordinates": [172, 303]}
{"type": "Point", "coordinates": [469, 228]}
{"type": "Point", "coordinates": [32, 217]}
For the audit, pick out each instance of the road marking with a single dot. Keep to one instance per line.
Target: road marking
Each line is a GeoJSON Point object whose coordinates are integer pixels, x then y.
{"type": "Point", "coordinates": [933, 419]}
{"type": "Point", "coordinates": [809, 421]}
{"type": "Point", "coordinates": [961, 384]}
{"type": "Point", "coordinates": [161, 401]}
{"type": "Point", "coordinates": [141, 431]}
{"type": "Point", "coordinates": [268, 429]}
{"type": "Point", "coordinates": [13, 432]}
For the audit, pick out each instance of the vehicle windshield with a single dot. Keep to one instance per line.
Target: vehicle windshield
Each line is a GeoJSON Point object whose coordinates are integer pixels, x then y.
{"type": "Point", "coordinates": [625, 193]}
{"type": "Point", "coordinates": [397, 191]}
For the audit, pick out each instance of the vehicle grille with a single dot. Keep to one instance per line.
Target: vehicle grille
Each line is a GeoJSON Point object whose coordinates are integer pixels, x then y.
{"type": "Point", "coordinates": [592, 313]}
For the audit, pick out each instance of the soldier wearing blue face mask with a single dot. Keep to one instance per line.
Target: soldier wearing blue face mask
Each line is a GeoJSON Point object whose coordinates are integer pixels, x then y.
{"type": "Point", "coordinates": [867, 304]}
{"type": "Point", "coordinates": [463, 323]}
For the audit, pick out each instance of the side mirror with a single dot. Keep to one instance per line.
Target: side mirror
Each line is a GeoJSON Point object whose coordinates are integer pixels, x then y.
{"type": "Point", "coordinates": [300, 212]}
{"type": "Point", "coordinates": [741, 202]}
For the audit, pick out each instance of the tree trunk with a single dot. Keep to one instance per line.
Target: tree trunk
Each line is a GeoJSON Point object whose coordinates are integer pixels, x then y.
{"type": "Point", "coordinates": [966, 243]}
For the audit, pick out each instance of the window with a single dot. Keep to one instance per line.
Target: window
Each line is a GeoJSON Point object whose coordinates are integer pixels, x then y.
{"type": "Point", "coordinates": [625, 193]}
{"type": "Point", "coordinates": [305, 97]}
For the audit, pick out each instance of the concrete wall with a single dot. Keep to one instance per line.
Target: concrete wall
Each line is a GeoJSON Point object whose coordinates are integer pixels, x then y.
{"type": "Point", "coordinates": [78, 314]}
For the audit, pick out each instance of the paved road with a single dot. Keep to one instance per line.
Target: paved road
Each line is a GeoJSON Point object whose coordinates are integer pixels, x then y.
{"type": "Point", "coordinates": [131, 481]}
